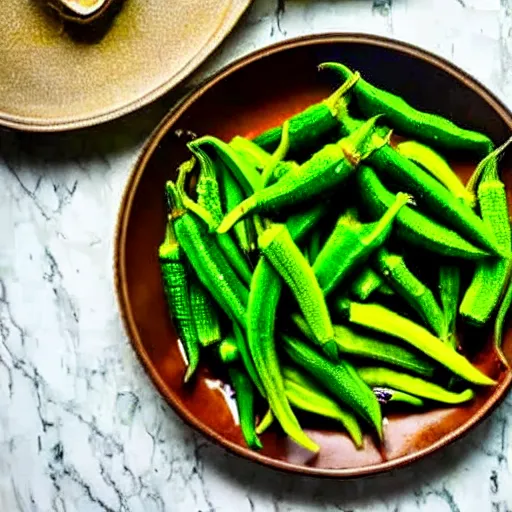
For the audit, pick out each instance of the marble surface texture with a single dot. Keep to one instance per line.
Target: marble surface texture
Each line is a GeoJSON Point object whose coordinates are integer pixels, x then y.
{"type": "Point", "coordinates": [82, 429]}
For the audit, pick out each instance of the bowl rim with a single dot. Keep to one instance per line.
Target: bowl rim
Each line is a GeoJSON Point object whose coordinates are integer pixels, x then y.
{"type": "Point", "coordinates": [120, 243]}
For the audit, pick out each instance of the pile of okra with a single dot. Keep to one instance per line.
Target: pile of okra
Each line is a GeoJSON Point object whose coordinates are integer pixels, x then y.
{"type": "Point", "coordinates": [326, 269]}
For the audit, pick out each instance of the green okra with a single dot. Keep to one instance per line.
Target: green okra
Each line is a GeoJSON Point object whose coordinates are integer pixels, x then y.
{"type": "Point", "coordinates": [381, 319]}
{"type": "Point", "coordinates": [231, 196]}
{"type": "Point", "coordinates": [411, 226]}
{"type": "Point", "coordinates": [367, 282]}
{"type": "Point", "coordinates": [209, 208]}
{"type": "Point", "coordinates": [351, 244]}
{"type": "Point", "coordinates": [277, 245]}
{"type": "Point", "coordinates": [341, 379]}
{"type": "Point", "coordinates": [436, 165]}
{"type": "Point", "coordinates": [175, 277]}
{"type": "Point", "coordinates": [430, 128]}
{"type": "Point", "coordinates": [263, 301]}
{"type": "Point", "coordinates": [362, 345]}
{"type": "Point", "coordinates": [304, 393]}
{"type": "Point", "coordinates": [244, 350]}
{"type": "Point", "coordinates": [390, 164]}
{"type": "Point", "coordinates": [310, 128]}
{"type": "Point", "coordinates": [207, 259]}
{"type": "Point", "coordinates": [488, 284]}
{"type": "Point", "coordinates": [320, 175]}
{"type": "Point", "coordinates": [204, 313]}
{"type": "Point", "coordinates": [244, 396]}
{"type": "Point", "coordinates": [501, 317]}
{"type": "Point", "coordinates": [416, 386]}
{"type": "Point", "coordinates": [393, 269]}
{"type": "Point", "coordinates": [264, 295]}
{"type": "Point", "coordinates": [246, 174]}
{"type": "Point", "coordinates": [449, 291]}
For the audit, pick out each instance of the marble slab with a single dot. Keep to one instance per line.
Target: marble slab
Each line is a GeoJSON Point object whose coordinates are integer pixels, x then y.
{"type": "Point", "coordinates": [81, 427]}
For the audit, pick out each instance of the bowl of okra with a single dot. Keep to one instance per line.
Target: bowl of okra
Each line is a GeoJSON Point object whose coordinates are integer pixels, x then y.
{"type": "Point", "coordinates": [313, 255]}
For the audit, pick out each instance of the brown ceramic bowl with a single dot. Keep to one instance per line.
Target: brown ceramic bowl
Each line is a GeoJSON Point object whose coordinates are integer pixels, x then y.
{"type": "Point", "coordinates": [248, 96]}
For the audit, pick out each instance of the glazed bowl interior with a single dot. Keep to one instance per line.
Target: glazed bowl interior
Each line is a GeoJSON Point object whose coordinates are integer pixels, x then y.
{"type": "Point", "coordinates": [249, 96]}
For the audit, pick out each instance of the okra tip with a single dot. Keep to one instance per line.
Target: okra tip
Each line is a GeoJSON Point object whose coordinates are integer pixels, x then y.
{"type": "Point", "coordinates": [343, 70]}
{"type": "Point", "coordinates": [236, 214]}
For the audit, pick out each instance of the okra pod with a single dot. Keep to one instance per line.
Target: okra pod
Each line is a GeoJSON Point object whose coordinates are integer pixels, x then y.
{"type": "Point", "coordinates": [381, 319]}
{"type": "Point", "coordinates": [341, 379]}
{"type": "Point", "coordinates": [430, 128]}
{"type": "Point", "coordinates": [244, 396]}
{"type": "Point", "coordinates": [351, 244]}
{"type": "Point", "coordinates": [421, 184]}
{"type": "Point", "coordinates": [418, 387]}
{"type": "Point", "coordinates": [412, 226]}
{"type": "Point", "coordinates": [311, 127]}
{"type": "Point", "coordinates": [358, 344]}
{"type": "Point", "coordinates": [487, 286]}
{"type": "Point", "coordinates": [279, 248]}
{"type": "Point", "coordinates": [393, 269]}
{"type": "Point", "coordinates": [175, 278]}
{"type": "Point", "coordinates": [303, 393]}
{"type": "Point", "coordinates": [320, 175]}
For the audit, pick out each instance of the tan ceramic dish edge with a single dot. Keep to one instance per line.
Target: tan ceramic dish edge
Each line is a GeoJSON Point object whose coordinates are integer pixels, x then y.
{"type": "Point", "coordinates": [40, 124]}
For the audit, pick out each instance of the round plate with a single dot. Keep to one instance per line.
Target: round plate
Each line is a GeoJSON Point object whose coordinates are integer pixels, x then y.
{"type": "Point", "coordinates": [250, 95]}
{"type": "Point", "coordinates": [58, 76]}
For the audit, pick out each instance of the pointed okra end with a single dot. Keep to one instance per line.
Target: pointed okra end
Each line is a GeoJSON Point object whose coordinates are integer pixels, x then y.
{"type": "Point", "coordinates": [236, 214]}
{"type": "Point", "coordinates": [265, 422]}
{"type": "Point", "coordinates": [336, 101]}
{"type": "Point", "coordinates": [488, 167]}
{"type": "Point", "coordinates": [342, 70]}
{"type": "Point", "coordinates": [188, 375]}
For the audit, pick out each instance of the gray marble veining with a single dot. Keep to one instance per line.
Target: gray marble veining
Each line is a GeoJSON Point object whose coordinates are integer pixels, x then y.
{"type": "Point", "coordinates": [81, 427]}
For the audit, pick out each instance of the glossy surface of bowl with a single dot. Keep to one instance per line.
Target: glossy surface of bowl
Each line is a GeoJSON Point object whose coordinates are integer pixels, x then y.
{"type": "Point", "coordinates": [252, 94]}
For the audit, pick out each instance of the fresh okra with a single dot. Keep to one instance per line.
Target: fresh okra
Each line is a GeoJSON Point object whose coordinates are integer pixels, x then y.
{"type": "Point", "coordinates": [320, 175]}
{"type": "Point", "coordinates": [376, 317]}
{"type": "Point", "coordinates": [307, 395]}
{"type": "Point", "coordinates": [267, 200]}
{"type": "Point", "coordinates": [414, 385]}
{"type": "Point", "coordinates": [483, 295]}
{"type": "Point", "coordinates": [310, 127]}
{"type": "Point", "coordinates": [340, 379]}
{"type": "Point", "coordinates": [393, 269]}
{"type": "Point", "coordinates": [362, 345]}
{"type": "Point", "coordinates": [422, 185]}
{"type": "Point", "coordinates": [412, 226]}
{"type": "Point", "coordinates": [351, 244]}
{"type": "Point", "coordinates": [430, 128]}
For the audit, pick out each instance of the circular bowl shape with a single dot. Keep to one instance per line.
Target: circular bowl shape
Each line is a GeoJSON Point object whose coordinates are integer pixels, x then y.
{"type": "Point", "coordinates": [58, 74]}
{"type": "Point", "coordinates": [247, 97]}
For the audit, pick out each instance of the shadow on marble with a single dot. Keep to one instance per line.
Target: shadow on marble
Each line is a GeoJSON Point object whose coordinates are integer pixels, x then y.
{"type": "Point", "coordinates": [117, 136]}
{"type": "Point", "coordinates": [309, 491]}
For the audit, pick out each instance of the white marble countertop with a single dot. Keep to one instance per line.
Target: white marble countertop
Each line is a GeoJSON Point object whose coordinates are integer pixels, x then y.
{"type": "Point", "coordinates": [81, 426]}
